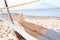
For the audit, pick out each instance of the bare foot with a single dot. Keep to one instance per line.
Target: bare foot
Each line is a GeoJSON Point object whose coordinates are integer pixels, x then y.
{"type": "Point", "coordinates": [20, 18]}
{"type": "Point", "coordinates": [1, 15]}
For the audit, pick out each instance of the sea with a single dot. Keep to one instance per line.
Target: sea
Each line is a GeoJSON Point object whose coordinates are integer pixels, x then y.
{"type": "Point", "coordinates": [52, 12]}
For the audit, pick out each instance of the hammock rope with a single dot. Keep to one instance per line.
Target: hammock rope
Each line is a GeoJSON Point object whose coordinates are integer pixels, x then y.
{"type": "Point", "coordinates": [19, 5]}
{"type": "Point", "coordinates": [17, 28]}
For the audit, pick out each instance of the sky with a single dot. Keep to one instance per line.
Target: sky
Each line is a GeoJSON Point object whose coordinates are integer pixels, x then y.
{"type": "Point", "coordinates": [42, 4]}
{"type": "Point", "coordinates": [52, 2]}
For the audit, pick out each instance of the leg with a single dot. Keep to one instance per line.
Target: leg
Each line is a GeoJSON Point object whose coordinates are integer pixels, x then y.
{"type": "Point", "coordinates": [34, 34]}
{"type": "Point", "coordinates": [30, 26]}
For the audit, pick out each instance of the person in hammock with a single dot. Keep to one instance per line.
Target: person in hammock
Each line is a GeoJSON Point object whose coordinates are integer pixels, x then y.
{"type": "Point", "coordinates": [37, 31]}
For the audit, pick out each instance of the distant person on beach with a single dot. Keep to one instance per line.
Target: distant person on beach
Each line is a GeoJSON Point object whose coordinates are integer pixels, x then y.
{"type": "Point", "coordinates": [37, 31]}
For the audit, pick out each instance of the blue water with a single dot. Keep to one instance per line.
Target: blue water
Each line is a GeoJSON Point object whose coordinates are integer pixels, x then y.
{"type": "Point", "coordinates": [39, 12]}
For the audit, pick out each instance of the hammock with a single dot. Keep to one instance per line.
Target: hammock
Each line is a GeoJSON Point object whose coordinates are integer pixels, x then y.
{"type": "Point", "coordinates": [18, 29]}
{"type": "Point", "coordinates": [12, 25]}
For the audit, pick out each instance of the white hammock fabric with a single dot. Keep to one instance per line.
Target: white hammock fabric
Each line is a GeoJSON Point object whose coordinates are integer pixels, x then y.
{"type": "Point", "coordinates": [18, 29]}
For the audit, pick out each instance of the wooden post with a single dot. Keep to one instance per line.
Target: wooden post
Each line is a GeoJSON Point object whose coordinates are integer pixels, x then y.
{"type": "Point", "coordinates": [20, 37]}
{"type": "Point", "coordinates": [8, 12]}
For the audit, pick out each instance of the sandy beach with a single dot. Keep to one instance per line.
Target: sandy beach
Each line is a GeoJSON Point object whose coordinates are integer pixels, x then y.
{"type": "Point", "coordinates": [47, 22]}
